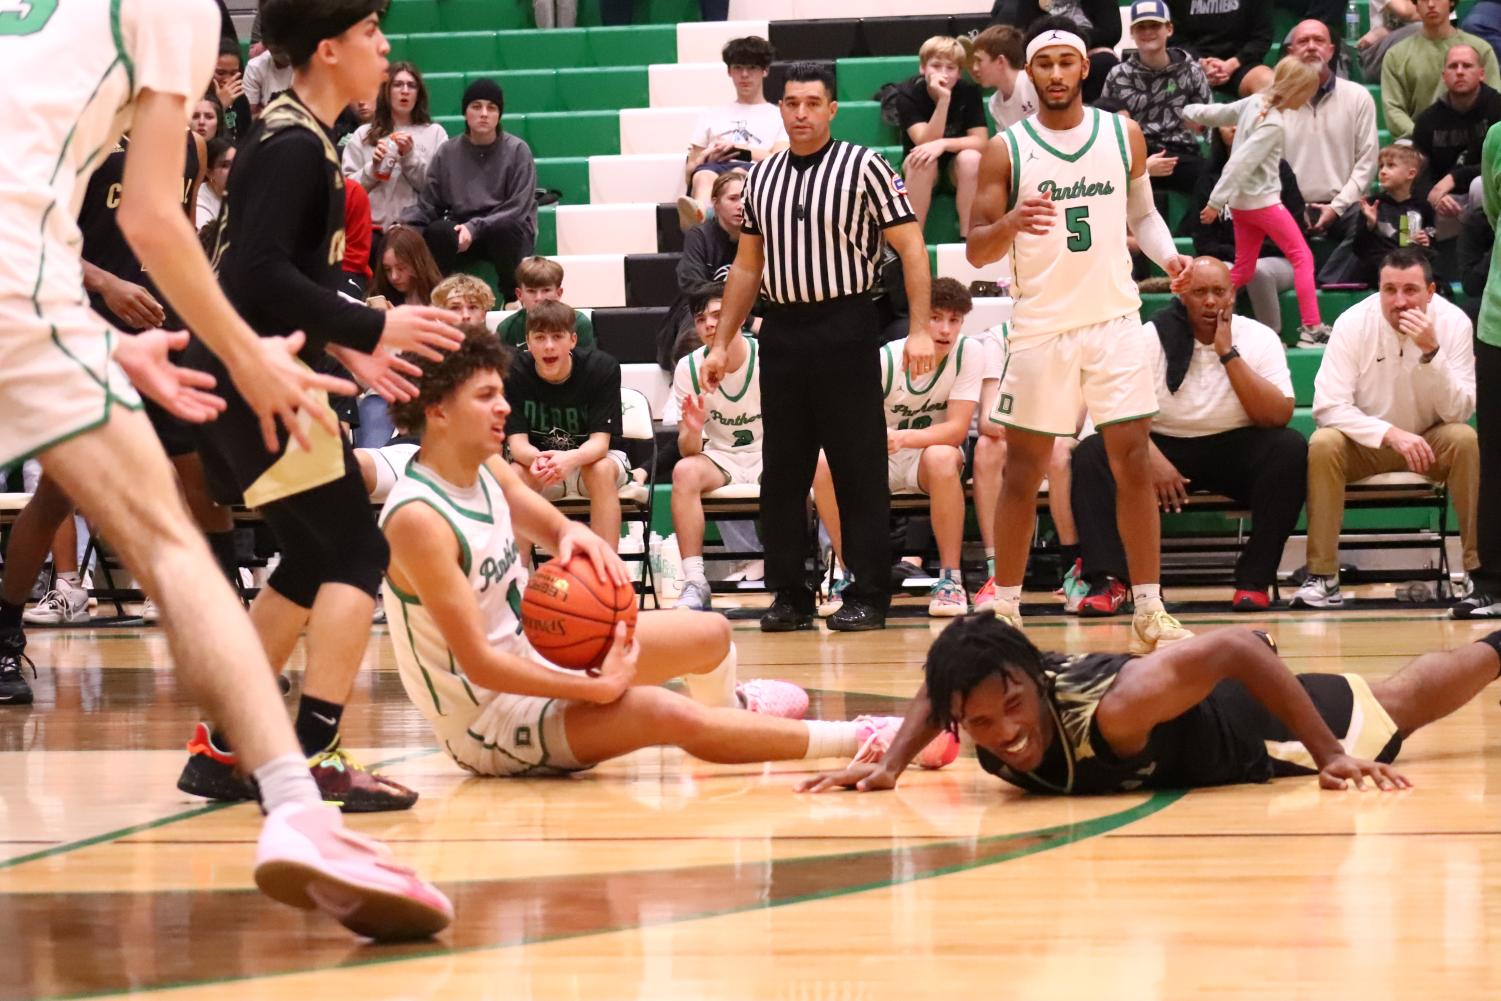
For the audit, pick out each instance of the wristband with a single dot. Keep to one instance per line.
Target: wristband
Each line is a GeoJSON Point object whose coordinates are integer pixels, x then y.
{"type": "Point", "coordinates": [1229, 356]}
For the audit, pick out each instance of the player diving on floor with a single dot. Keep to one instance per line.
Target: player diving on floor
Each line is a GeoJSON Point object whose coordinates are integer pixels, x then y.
{"type": "Point", "coordinates": [1217, 709]}
{"type": "Point", "coordinates": [495, 705]}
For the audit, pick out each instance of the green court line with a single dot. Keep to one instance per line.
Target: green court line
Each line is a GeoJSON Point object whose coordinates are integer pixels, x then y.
{"type": "Point", "coordinates": [1209, 619]}
{"type": "Point", "coordinates": [1031, 843]}
{"type": "Point", "coordinates": [197, 811]}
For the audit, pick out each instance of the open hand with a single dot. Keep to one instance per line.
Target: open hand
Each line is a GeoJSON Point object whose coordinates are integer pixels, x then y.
{"type": "Point", "coordinates": [1161, 164]}
{"type": "Point", "coordinates": [577, 539]}
{"type": "Point", "coordinates": [384, 372]}
{"type": "Point", "coordinates": [1413, 448]}
{"type": "Point", "coordinates": [182, 392]}
{"type": "Point", "coordinates": [425, 331]}
{"type": "Point", "coordinates": [695, 414]}
{"type": "Point", "coordinates": [280, 389]}
{"type": "Point", "coordinates": [861, 776]}
{"type": "Point", "coordinates": [1344, 771]}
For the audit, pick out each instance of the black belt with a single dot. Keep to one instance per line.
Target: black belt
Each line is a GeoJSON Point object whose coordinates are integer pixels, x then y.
{"type": "Point", "coordinates": [821, 306]}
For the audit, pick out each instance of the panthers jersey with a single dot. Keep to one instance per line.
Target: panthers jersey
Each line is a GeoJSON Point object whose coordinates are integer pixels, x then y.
{"type": "Point", "coordinates": [913, 403]}
{"type": "Point", "coordinates": [481, 521]}
{"type": "Point", "coordinates": [1078, 273]}
{"type": "Point", "coordinates": [733, 423]}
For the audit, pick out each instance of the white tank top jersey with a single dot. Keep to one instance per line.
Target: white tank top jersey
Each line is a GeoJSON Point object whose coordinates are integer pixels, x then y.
{"type": "Point", "coordinates": [70, 71]}
{"type": "Point", "coordinates": [1079, 273]}
{"type": "Point", "coordinates": [490, 559]}
{"type": "Point", "coordinates": [913, 403]}
{"type": "Point", "coordinates": [734, 420]}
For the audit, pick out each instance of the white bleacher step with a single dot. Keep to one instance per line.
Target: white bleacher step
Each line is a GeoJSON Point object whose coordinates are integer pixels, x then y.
{"type": "Point", "coordinates": [988, 312]}
{"type": "Point", "coordinates": [593, 280]}
{"type": "Point", "coordinates": [625, 228]}
{"type": "Point", "coordinates": [658, 130]}
{"type": "Point", "coordinates": [951, 263]}
{"type": "Point", "coordinates": [679, 85]}
{"type": "Point", "coordinates": [495, 317]}
{"type": "Point", "coordinates": [703, 41]}
{"type": "Point", "coordinates": [651, 382]}
{"type": "Point", "coordinates": [641, 177]}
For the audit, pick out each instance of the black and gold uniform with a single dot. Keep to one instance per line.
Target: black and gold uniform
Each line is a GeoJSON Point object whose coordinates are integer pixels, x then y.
{"type": "Point", "coordinates": [1229, 737]}
{"type": "Point", "coordinates": [279, 257]}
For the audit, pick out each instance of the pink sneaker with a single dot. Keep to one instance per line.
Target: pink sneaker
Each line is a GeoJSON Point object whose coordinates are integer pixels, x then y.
{"type": "Point", "coordinates": [306, 858]}
{"type": "Point", "coordinates": [877, 732]}
{"type": "Point", "coordinates": [985, 597]}
{"type": "Point", "coordinates": [773, 698]}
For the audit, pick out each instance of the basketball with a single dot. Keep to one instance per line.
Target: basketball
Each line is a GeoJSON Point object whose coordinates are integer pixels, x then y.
{"type": "Point", "coordinates": [569, 613]}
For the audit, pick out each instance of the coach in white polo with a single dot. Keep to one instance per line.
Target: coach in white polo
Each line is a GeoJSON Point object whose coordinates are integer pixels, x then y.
{"type": "Point", "coordinates": [1393, 393]}
{"type": "Point", "coordinates": [1224, 397]}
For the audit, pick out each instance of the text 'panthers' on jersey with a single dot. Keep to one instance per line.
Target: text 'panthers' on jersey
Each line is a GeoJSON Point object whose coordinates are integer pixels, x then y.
{"type": "Point", "coordinates": [733, 422]}
{"type": "Point", "coordinates": [912, 404]}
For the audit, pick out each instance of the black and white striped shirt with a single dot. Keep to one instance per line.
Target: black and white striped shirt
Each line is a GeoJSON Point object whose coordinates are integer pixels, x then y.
{"type": "Point", "coordinates": [821, 216]}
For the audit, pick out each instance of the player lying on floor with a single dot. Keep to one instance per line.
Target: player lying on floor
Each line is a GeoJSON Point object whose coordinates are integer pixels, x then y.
{"type": "Point", "coordinates": [454, 589]}
{"type": "Point", "coordinates": [1216, 709]}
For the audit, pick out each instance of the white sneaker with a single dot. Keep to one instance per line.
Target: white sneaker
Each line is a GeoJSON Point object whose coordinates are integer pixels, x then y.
{"type": "Point", "coordinates": [307, 858]}
{"type": "Point", "coordinates": [1318, 592]}
{"type": "Point", "coordinates": [64, 605]}
{"type": "Point", "coordinates": [150, 614]}
{"type": "Point", "coordinates": [1152, 630]}
{"type": "Point", "coordinates": [1009, 614]}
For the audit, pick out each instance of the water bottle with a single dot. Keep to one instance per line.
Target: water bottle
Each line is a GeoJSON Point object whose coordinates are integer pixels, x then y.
{"type": "Point", "coordinates": [671, 582]}
{"type": "Point", "coordinates": [1416, 592]}
{"type": "Point", "coordinates": [654, 555]}
{"type": "Point", "coordinates": [1404, 230]}
{"type": "Point", "coordinates": [387, 165]}
{"type": "Point", "coordinates": [1352, 22]}
{"type": "Point", "coordinates": [633, 543]}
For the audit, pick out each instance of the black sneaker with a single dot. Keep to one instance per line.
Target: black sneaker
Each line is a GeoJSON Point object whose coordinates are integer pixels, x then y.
{"type": "Point", "coordinates": [786, 615]}
{"type": "Point", "coordinates": [14, 689]}
{"type": "Point", "coordinates": [211, 772]}
{"type": "Point", "coordinates": [856, 616]}
{"type": "Point", "coordinates": [1479, 605]}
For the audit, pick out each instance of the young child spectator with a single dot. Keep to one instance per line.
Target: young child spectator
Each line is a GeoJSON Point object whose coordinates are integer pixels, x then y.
{"type": "Point", "coordinates": [1450, 133]}
{"type": "Point", "coordinates": [1230, 39]}
{"type": "Point", "coordinates": [926, 427]}
{"type": "Point", "coordinates": [708, 252]}
{"type": "Point", "coordinates": [565, 411]}
{"type": "Point", "coordinates": [1251, 187]}
{"type": "Point", "coordinates": [539, 279]}
{"type": "Point", "coordinates": [267, 75]}
{"type": "Point", "coordinates": [943, 128]}
{"type": "Point", "coordinates": [1155, 84]}
{"type": "Point", "coordinates": [735, 135]}
{"type": "Point", "coordinates": [405, 272]}
{"type": "Point", "coordinates": [1396, 217]}
{"type": "Point", "coordinates": [480, 199]}
{"type": "Point", "coordinates": [229, 90]}
{"type": "Point", "coordinates": [208, 118]}
{"type": "Point", "coordinates": [1000, 62]}
{"type": "Point", "coordinates": [719, 438]}
{"type": "Point", "coordinates": [390, 156]}
{"type": "Point", "coordinates": [215, 186]}
{"type": "Point", "coordinates": [467, 296]}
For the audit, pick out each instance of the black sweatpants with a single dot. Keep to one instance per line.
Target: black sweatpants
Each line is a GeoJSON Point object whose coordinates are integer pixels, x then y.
{"type": "Point", "coordinates": [1263, 468]}
{"type": "Point", "coordinates": [821, 389]}
{"type": "Point", "coordinates": [1488, 427]}
{"type": "Point", "coordinates": [503, 246]}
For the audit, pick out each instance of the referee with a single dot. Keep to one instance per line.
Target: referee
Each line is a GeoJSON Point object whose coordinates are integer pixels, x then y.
{"type": "Point", "coordinates": [817, 217]}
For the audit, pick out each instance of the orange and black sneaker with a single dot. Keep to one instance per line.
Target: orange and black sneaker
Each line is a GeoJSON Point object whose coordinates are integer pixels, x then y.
{"type": "Point", "coordinates": [212, 772]}
{"type": "Point", "coordinates": [345, 782]}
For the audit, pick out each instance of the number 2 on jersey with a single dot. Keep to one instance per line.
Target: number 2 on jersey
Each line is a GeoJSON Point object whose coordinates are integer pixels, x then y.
{"type": "Point", "coordinates": [1076, 220]}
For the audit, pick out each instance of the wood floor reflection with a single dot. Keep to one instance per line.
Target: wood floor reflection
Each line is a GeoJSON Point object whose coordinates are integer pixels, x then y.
{"type": "Point", "coordinates": [660, 876]}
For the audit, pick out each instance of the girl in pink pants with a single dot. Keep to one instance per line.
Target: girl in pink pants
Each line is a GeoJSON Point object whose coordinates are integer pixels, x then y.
{"type": "Point", "coordinates": [1251, 187]}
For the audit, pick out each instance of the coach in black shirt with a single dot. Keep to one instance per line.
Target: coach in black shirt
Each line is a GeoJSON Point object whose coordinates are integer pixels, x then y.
{"type": "Point", "coordinates": [817, 217]}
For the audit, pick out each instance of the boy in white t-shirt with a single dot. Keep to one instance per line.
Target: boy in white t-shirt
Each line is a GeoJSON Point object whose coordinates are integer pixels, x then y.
{"type": "Point", "coordinates": [732, 136]}
{"type": "Point", "coordinates": [927, 422]}
{"type": "Point", "coordinates": [999, 61]}
{"type": "Point", "coordinates": [719, 436]}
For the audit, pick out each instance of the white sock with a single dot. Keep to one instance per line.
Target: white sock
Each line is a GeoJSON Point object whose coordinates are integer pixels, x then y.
{"type": "Point", "coordinates": [286, 779]}
{"type": "Point", "coordinates": [1009, 597]}
{"type": "Point", "coordinates": [693, 569]}
{"type": "Point", "coordinates": [831, 739]}
{"type": "Point", "coordinates": [73, 580]}
{"type": "Point", "coordinates": [716, 688]}
{"type": "Point", "coordinates": [1148, 598]}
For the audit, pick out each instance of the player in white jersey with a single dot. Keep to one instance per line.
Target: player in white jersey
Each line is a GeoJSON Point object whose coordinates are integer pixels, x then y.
{"type": "Point", "coordinates": [453, 599]}
{"type": "Point", "coordinates": [76, 74]}
{"type": "Point", "coordinates": [1059, 192]}
{"type": "Point", "coordinates": [719, 438]}
{"type": "Point", "coordinates": [927, 421]}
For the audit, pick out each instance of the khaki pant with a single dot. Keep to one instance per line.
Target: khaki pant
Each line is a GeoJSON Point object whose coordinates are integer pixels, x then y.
{"type": "Point", "coordinates": [1334, 460]}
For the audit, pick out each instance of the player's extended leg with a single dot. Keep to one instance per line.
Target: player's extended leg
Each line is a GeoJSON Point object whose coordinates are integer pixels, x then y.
{"type": "Point", "coordinates": [827, 505]}
{"type": "Point", "coordinates": [698, 649]}
{"type": "Point", "coordinates": [1437, 684]}
{"type": "Point", "coordinates": [601, 481]}
{"type": "Point", "coordinates": [692, 477]}
{"type": "Point", "coordinates": [965, 173]}
{"type": "Point", "coordinates": [1027, 456]}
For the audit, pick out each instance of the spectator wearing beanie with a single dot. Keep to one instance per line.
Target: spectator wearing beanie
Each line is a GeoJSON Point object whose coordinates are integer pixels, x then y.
{"type": "Point", "coordinates": [480, 198]}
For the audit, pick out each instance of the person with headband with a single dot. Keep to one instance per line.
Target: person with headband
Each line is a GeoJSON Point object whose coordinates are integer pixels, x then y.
{"type": "Point", "coordinates": [1058, 192]}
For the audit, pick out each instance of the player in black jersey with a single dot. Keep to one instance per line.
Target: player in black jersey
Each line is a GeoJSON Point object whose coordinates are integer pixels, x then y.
{"type": "Point", "coordinates": [279, 258]}
{"type": "Point", "coordinates": [1217, 709]}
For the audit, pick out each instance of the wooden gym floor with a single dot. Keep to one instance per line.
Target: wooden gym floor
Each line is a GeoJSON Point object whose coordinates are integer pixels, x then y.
{"type": "Point", "coordinates": [662, 877]}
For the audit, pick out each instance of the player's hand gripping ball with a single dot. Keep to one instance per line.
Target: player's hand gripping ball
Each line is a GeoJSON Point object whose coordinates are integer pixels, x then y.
{"type": "Point", "coordinates": [568, 612]}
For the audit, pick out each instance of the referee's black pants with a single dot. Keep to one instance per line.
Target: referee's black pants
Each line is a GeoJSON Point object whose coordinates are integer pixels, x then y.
{"type": "Point", "coordinates": [1488, 429]}
{"type": "Point", "coordinates": [821, 389]}
{"type": "Point", "coordinates": [1264, 468]}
